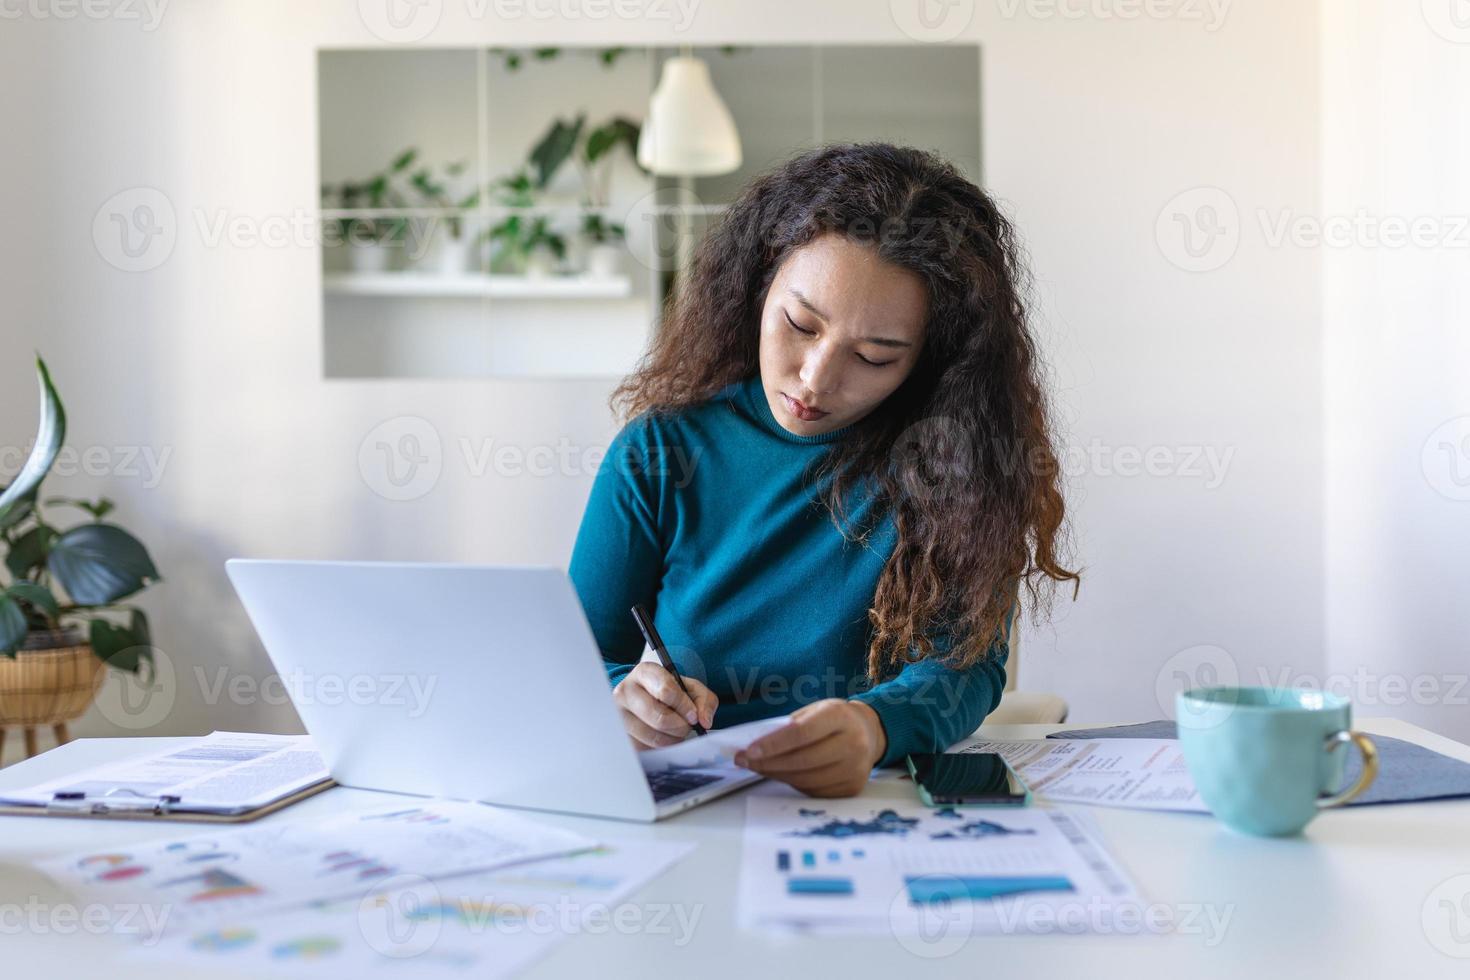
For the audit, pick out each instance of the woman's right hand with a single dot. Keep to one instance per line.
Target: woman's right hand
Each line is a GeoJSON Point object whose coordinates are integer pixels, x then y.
{"type": "Point", "coordinates": [655, 711]}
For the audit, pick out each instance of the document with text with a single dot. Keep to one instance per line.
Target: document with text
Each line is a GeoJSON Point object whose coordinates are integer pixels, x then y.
{"type": "Point", "coordinates": [1142, 773]}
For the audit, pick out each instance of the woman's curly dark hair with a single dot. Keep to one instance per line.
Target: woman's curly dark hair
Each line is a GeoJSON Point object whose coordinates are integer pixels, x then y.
{"type": "Point", "coordinates": [961, 454]}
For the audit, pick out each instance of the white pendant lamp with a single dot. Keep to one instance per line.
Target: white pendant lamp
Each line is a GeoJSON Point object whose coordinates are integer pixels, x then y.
{"type": "Point", "coordinates": [689, 131]}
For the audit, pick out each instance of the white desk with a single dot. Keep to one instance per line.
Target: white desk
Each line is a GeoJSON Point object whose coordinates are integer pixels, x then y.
{"type": "Point", "coordinates": [1350, 899]}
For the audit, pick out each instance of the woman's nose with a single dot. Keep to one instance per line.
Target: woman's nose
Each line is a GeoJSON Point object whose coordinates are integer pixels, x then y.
{"type": "Point", "coordinates": [819, 372]}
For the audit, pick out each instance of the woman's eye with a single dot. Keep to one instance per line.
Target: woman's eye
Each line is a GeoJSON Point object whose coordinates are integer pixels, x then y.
{"type": "Point", "coordinates": [813, 333]}
{"type": "Point", "coordinates": [794, 326]}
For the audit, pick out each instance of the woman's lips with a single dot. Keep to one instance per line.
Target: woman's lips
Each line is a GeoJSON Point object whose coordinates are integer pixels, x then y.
{"type": "Point", "coordinates": [801, 411]}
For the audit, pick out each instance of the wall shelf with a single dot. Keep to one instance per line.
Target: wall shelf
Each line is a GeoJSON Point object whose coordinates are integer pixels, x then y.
{"type": "Point", "coordinates": [466, 108]}
{"type": "Point", "coordinates": [476, 285]}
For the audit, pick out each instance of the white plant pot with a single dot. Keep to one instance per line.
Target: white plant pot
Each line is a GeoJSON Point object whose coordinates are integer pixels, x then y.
{"type": "Point", "coordinates": [454, 255]}
{"type": "Point", "coordinates": [604, 260]}
{"type": "Point", "coordinates": [540, 264]}
{"type": "Point", "coordinates": [367, 258]}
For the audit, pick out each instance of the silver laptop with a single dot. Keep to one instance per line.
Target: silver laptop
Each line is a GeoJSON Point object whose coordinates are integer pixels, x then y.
{"type": "Point", "coordinates": [472, 682]}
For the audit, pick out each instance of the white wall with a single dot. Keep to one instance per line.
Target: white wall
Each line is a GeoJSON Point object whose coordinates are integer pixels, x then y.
{"type": "Point", "coordinates": [1396, 135]}
{"type": "Point", "coordinates": [1092, 126]}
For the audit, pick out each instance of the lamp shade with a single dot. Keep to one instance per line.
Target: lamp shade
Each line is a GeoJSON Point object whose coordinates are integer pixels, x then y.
{"type": "Point", "coordinates": [689, 131]}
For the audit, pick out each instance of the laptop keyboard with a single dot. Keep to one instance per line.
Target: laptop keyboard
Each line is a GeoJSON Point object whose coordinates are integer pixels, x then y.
{"type": "Point", "coordinates": [672, 782]}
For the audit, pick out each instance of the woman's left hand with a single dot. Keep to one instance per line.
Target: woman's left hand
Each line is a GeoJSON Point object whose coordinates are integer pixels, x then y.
{"type": "Point", "coordinates": [827, 749]}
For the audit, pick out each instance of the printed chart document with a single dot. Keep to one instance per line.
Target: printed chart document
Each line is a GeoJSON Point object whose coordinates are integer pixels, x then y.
{"type": "Point", "coordinates": [226, 772]}
{"type": "Point", "coordinates": [486, 925]}
{"type": "Point", "coordinates": [899, 867]}
{"type": "Point", "coordinates": [1142, 773]}
{"type": "Point", "coordinates": [209, 877]}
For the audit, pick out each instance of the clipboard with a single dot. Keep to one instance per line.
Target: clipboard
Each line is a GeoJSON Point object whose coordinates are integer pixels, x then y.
{"type": "Point", "coordinates": [150, 808]}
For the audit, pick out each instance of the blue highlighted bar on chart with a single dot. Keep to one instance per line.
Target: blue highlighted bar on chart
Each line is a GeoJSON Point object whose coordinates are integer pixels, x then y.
{"type": "Point", "coordinates": [948, 888]}
{"type": "Point", "coordinates": [813, 859]}
{"type": "Point", "coordinates": [819, 886]}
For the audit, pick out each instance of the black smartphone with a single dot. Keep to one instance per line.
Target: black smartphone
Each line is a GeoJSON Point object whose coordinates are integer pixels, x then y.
{"type": "Point", "coordinates": [966, 779]}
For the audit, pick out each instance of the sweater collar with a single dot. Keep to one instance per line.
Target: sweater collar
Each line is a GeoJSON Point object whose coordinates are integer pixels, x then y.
{"type": "Point", "coordinates": [753, 400]}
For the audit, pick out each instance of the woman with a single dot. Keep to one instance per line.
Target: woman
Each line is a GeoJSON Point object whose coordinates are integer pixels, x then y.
{"type": "Point", "coordinates": [837, 474]}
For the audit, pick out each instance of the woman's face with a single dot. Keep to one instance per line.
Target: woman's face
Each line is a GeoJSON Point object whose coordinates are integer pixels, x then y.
{"type": "Point", "coordinates": [840, 331]}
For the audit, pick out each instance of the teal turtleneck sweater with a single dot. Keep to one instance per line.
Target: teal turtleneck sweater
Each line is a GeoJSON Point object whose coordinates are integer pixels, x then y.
{"type": "Point", "coordinates": [702, 516]}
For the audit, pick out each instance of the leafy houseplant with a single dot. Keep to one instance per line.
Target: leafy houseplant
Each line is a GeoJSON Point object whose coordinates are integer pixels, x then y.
{"type": "Point", "coordinates": [63, 580]}
{"type": "Point", "coordinates": [596, 155]}
{"type": "Point", "coordinates": [539, 243]}
{"type": "Point", "coordinates": [368, 237]}
{"type": "Point", "coordinates": [513, 58]}
{"type": "Point", "coordinates": [603, 253]}
{"type": "Point", "coordinates": [524, 243]}
{"type": "Point", "coordinates": [599, 231]}
{"type": "Point", "coordinates": [591, 151]}
{"type": "Point", "coordinates": [520, 241]}
{"type": "Point", "coordinates": [435, 188]}
{"type": "Point", "coordinates": [518, 238]}
{"type": "Point", "coordinates": [608, 56]}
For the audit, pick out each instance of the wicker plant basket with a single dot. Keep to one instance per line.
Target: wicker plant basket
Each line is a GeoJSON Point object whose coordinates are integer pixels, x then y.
{"type": "Point", "coordinates": [52, 679]}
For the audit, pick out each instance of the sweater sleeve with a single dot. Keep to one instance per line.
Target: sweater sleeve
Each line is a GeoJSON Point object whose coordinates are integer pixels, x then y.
{"type": "Point", "coordinates": [617, 560]}
{"type": "Point", "coordinates": [928, 706]}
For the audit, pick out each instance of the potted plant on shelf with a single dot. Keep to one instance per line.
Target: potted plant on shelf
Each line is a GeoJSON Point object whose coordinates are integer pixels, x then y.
{"type": "Point", "coordinates": [544, 248]}
{"type": "Point", "coordinates": [438, 190]}
{"type": "Point", "coordinates": [61, 617]}
{"type": "Point", "coordinates": [597, 152]}
{"type": "Point", "coordinates": [526, 245]}
{"type": "Point", "coordinates": [523, 244]}
{"type": "Point", "coordinates": [529, 245]}
{"type": "Point", "coordinates": [604, 253]}
{"type": "Point", "coordinates": [604, 238]}
{"type": "Point", "coordinates": [370, 238]}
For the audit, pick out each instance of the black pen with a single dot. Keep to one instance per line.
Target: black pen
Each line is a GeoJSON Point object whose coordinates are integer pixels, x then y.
{"type": "Point", "coordinates": [650, 633]}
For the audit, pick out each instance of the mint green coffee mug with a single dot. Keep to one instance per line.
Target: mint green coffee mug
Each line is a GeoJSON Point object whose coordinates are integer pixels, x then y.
{"type": "Point", "coordinates": [1264, 759]}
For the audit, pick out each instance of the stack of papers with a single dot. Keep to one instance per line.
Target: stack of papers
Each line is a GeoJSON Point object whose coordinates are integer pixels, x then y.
{"type": "Point", "coordinates": [272, 865]}
{"type": "Point", "coordinates": [449, 886]}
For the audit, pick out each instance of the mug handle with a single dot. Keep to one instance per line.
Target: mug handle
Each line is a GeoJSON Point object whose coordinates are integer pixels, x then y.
{"type": "Point", "coordinates": [1365, 778]}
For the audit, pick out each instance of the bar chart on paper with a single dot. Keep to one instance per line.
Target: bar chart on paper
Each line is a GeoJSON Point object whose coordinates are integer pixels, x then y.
{"type": "Point", "coordinates": [851, 866]}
